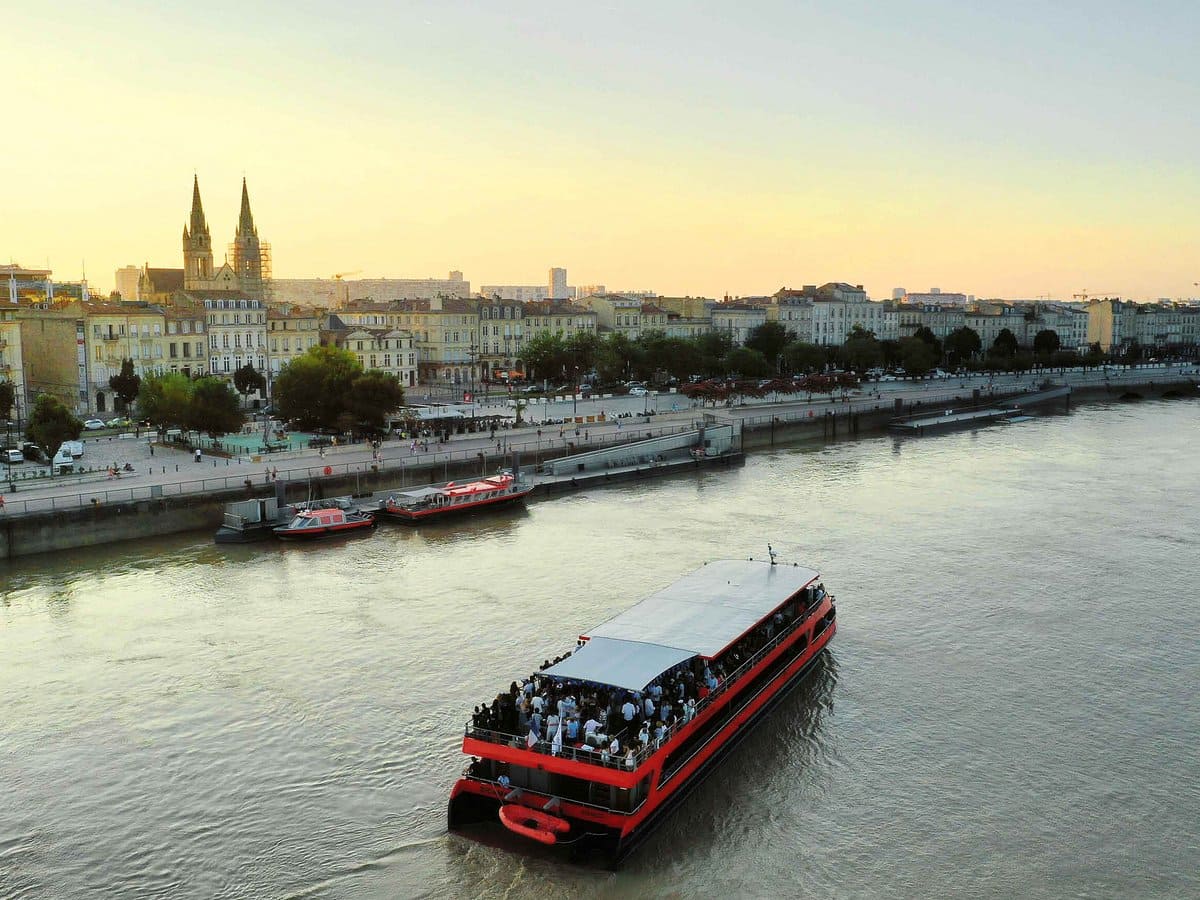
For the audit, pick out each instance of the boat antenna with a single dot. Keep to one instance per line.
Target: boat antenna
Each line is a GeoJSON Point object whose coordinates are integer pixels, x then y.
{"type": "Point", "coordinates": [771, 553]}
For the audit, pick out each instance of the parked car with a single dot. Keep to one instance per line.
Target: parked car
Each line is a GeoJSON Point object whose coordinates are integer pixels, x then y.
{"type": "Point", "coordinates": [94, 425]}
{"type": "Point", "coordinates": [33, 453]}
{"type": "Point", "coordinates": [638, 391]}
{"type": "Point", "coordinates": [12, 457]}
{"type": "Point", "coordinates": [119, 422]}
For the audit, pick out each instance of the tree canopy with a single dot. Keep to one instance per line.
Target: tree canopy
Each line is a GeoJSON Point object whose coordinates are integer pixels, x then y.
{"type": "Point", "coordinates": [917, 356]}
{"type": "Point", "coordinates": [769, 339]}
{"type": "Point", "coordinates": [373, 395]}
{"type": "Point", "coordinates": [1046, 342]}
{"type": "Point", "coordinates": [311, 390]}
{"type": "Point", "coordinates": [1005, 343]}
{"type": "Point", "coordinates": [248, 379]}
{"type": "Point", "coordinates": [963, 343]}
{"type": "Point", "coordinates": [8, 397]}
{"type": "Point", "coordinates": [214, 408]}
{"type": "Point", "coordinates": [748, 362]}
{"type": "Point", "coordinates": [126, 384]}
{"type": "Point", "coordinates": [51, 423]}
{"type": "Point", "coordinates": [163, 400]}
{"type": "Point", "coordinates": [327, 388]}
{"type": "Point", "coordinates": [861, 350]}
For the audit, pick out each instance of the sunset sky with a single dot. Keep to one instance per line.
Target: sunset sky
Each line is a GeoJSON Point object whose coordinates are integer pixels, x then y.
{"type": "Point", "coordinates": [1002, 149]}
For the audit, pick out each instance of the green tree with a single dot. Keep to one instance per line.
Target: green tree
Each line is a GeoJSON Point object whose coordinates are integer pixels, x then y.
{"type": "Point", "coordinates": [164, 400]}
{"type": "Point", "coordinates": [1005, 344]}
{"type": "Point", "coordinates": [861, 350]}
{"type": "Point", "coordinates": [1046, 342]}
{"type": "Point", "coordinates": [769, 339]}
{"type": "Point", "coordinates": [579, 351]}
{"type": "Point", "coordinates": [248, 379]}
{"type": "Point", "coordinates": [917, 356]}
{"type": "Point", "coordinates": [713, 347]}
{"type": "Point", "coordinates": [214, 408]}
{"type": "Point", "coordinates": [373, 397]}
{"type": "Point", "coordinates": [544, 356]}
{"type": "Point", "coordinates": [125, 385]}
{"type": "Point", "coordinates": [748, 362]}
{"type": "Point", "coordinates": [962, 344]}
{"type": "Point", "coordinates": [617, 356]}
{"type": "Point", "coordinates": [313, 388]}
{"type": "Point", "coordinates": [51, 423]}
{"type": "Point", "coordinates": [800, 357]}
{"type": "Point", "coordinates": [8, 397]}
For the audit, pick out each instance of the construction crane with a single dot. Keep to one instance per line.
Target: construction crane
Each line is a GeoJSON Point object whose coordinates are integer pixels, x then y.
{"type": "Point", "coordinates": [338, 276]}
{"type": "Point", "coordinates": [1085, 296]}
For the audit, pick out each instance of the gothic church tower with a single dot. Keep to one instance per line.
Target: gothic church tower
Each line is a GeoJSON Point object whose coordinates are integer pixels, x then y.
{"type": "Point", "coordinates": [197, 245]}
{"type": "Point", "coordinates": [248, 252]}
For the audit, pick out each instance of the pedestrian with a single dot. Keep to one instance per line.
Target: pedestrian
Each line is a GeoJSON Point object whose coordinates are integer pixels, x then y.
{"type": "Point", "coordinates": [152, 449]}
{"type": "Point", "coordinates": [197, 454]}
{"type": "Point", "coordinates": [268, 478]}
{"type": "Point", "coordinates": [274, 474]}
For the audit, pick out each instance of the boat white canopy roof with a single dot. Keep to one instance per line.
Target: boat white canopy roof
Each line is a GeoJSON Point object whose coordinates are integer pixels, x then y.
{"type": "Point", "coordinates": [699, 615]}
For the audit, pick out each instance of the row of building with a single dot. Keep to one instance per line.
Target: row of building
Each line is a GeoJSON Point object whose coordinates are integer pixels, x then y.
{"type": "Point", "coordinates": [204, 319]}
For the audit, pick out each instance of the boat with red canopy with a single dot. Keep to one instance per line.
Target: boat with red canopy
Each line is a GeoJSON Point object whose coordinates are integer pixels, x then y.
{"type": "Point", "coordinates": [438, 501]}
{"type": "Point", "coordinates": [309, 524]}
{"type": "Point", "coordinates": [594, 750]}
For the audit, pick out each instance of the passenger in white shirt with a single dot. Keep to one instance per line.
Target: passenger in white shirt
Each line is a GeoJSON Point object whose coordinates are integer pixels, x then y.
{"type": "Point", "coordinates": [590, 726]}
{"type": "Point", "coordinates": [628, 710]}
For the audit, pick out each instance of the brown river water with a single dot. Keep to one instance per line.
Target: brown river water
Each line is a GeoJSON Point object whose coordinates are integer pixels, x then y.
{"type": "Point", "coordinates": [1008, 709]}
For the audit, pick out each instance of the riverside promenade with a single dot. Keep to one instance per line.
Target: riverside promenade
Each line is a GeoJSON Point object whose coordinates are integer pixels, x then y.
{"type": "Point", "coordinates": [174, 473]}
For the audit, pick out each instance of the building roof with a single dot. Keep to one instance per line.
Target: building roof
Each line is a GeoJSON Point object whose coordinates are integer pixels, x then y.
{"type": "Point", "coordinates": [555, 308]}
{"type": "Point", "coordinates": [165, 280]}
{"type": "Point", "coordinates": [701, 614]}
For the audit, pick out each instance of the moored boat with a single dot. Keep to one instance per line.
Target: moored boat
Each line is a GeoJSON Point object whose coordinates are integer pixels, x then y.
{"type": "Point", "coordinates": [643, 709]}
{"type": "Point", "coordinates": [440, 500]}
{"type": "Point", "coordinates": [309, 524]}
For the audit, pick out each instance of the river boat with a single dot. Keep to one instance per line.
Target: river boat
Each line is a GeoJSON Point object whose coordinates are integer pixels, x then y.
{"type": "Point", "coordinates": [721, 647]}
{"type": "Point", "coordinates": [310, 524]}
{"type": "Point", "coordinates": [438, 501]}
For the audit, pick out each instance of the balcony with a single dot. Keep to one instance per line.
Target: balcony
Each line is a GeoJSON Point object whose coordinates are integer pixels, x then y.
{"type": "Point", "coordinates": [110, 337]}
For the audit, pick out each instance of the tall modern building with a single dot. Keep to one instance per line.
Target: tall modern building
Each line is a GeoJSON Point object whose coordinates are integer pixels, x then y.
{"type": "Point", "coordinates": [126, 281]}
{"type": "Point", "coordinates": [558, 285]}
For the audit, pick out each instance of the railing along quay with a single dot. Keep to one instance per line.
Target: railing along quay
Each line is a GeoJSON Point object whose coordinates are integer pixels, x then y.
{"type": "Point", "coordinates": [251, 475]}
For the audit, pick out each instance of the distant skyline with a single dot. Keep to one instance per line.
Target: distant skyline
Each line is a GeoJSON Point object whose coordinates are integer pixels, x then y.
{"type": "Point", "coordinates": [1010, 150]}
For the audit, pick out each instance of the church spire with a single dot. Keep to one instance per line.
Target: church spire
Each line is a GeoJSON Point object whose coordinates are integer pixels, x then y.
{"type": "Point", "coordinates": [246, 219]}
{"type": "Point", "coordinates": [199, 225]}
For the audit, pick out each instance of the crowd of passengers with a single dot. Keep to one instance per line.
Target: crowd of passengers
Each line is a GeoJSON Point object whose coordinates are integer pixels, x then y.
{"type": "Point", "coordinates": [566, 717]}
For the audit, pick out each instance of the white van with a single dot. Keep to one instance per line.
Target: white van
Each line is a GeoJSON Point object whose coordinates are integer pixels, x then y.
{"type": "Point", "coordinates": [63, 461]}
{"type": "Point", "coordinates": [75, 448]}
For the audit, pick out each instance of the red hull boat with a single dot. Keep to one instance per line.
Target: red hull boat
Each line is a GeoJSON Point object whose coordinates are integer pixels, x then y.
{"type": "Point", "coordinates": [450, 499]}
{"type": "Point", "coordinates": [712, 653]}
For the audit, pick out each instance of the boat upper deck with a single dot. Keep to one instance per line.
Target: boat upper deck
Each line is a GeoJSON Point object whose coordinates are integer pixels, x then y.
{"type": "Point", "coordinates": [615, 695]}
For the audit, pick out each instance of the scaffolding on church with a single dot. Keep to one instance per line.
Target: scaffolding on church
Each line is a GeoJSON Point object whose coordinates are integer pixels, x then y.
{"type": "Point", "coordinates": [254, 276]}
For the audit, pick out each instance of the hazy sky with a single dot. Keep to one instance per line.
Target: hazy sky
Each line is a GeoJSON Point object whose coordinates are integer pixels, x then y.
{"type": "Point", "coordinates": [1002, 148]}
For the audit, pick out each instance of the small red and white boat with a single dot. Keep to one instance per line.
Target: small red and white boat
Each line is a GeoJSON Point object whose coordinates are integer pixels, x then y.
{"type": "Point", "coordinates": [309, 524]}
{"type": "Point", "coordinates": [440, 500]}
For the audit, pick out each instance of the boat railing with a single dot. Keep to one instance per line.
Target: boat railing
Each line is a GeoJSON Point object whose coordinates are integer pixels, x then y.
{"type": "Point", "coordinates": [503, 789]}
{"type": "Point", "coordinates": [600, 757]}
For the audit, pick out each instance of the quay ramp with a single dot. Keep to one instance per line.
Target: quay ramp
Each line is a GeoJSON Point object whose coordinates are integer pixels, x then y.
{"type": "Point", "coordinates": [707, 445]}
{"type": "Point", "coordinates": [961, 417]}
